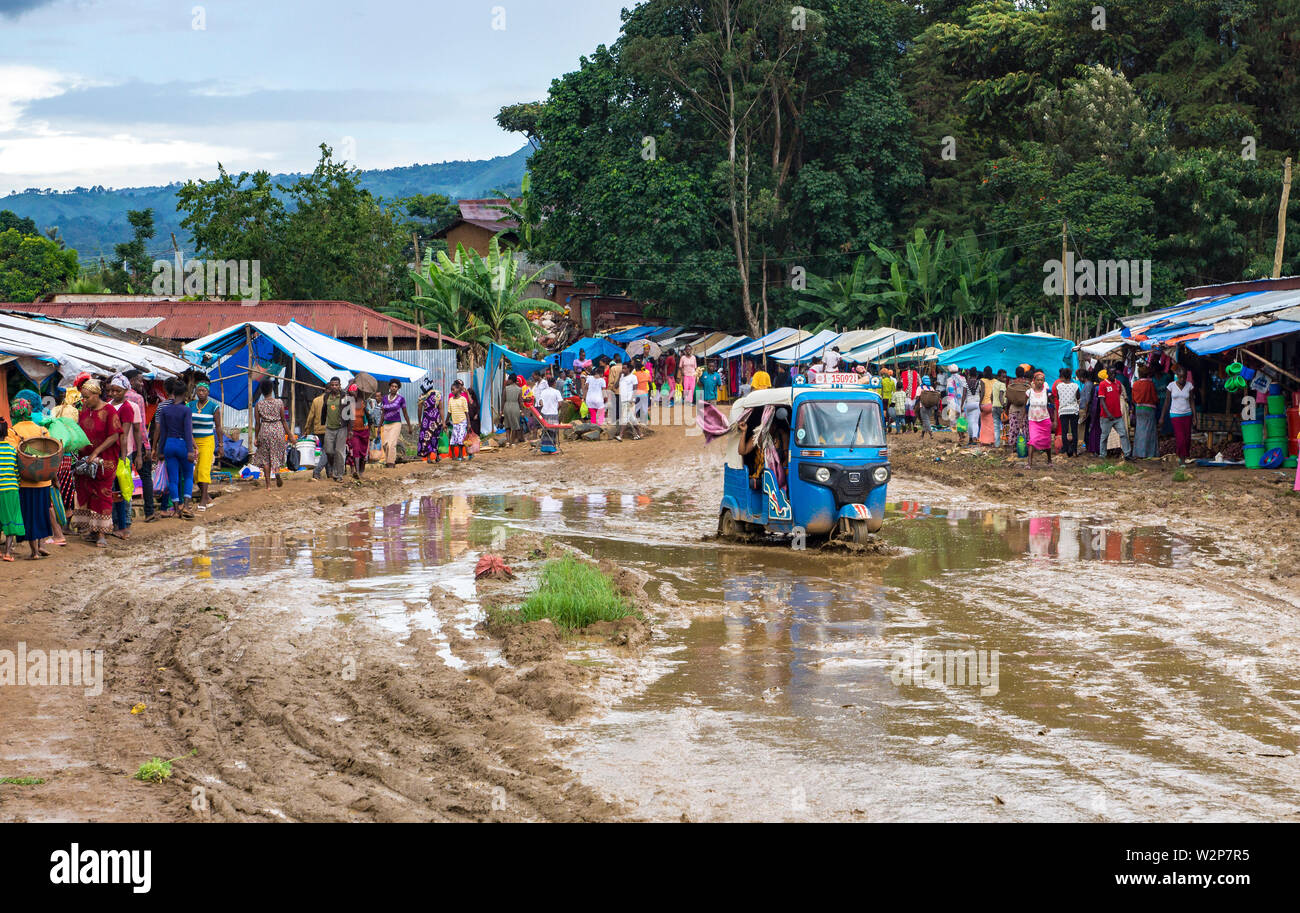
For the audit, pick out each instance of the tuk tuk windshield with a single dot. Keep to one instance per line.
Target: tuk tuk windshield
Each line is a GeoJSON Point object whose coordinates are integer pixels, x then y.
{"type": "Point", "coordinates": [832, 423]}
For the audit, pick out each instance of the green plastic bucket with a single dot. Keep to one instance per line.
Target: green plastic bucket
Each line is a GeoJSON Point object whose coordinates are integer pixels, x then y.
{"type": "Point", "coordinates": [1252, 454]}
{"type": "Point", "coordinates": [1276, 404]}
{"type": "Point", "coordinates": [1252, 432]}
{"type": "Point", "coordinates": [1275, 426]}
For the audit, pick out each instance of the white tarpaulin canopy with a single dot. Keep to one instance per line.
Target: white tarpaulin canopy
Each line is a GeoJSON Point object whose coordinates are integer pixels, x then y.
{"type": "Point", "coordinates": [225, 357]}
{"type": "Point", "coordinates": [75, 350]}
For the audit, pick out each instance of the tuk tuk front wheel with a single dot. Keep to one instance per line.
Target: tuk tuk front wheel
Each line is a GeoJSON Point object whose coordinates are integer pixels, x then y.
{"type": "Point", "coordinates": [727, 526]}
{"type": "Point", "coordinates": [859, 531]}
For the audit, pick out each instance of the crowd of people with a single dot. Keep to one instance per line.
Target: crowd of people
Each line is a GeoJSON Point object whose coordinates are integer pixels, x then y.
{"type": "Point", "coordinates": [130, 425]}
{"type": "Point", "coordinates": [615, 391]}
{"type": "Point", "coordinates": [1090, 410]}
{"type": "Point", "coordinates": [168, 434]}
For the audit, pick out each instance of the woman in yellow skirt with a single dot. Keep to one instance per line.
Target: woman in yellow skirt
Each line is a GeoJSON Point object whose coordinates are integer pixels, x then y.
{"type": "Point", "coordinates": [207, 431]}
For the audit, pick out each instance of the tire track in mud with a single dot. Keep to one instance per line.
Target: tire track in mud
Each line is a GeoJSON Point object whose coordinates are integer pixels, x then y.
{"type": "Point", "coordinates": [282, 734]}
{"type": "Point", "coordinates": [1171, 746]}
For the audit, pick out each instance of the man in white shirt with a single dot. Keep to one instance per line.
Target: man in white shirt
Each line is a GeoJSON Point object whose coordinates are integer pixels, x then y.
{"type": "Point", "coordinates": [831, 360]}
{"type": "Point", "coordinates": [627, 406]}
{"type": "Point", "coordinates": [548, 403]}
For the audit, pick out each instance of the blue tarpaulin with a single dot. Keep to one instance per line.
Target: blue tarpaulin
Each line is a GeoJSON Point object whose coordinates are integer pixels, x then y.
{"type": "Point", "coordinates": [593, 346]}
{"type": "Point", "coordinates": [1004, 351]}
{"type": "Point", "coordinates": [489, 389]}
{"type": "Point", "coordinates": [623, 337]}
{"type": "Point", "coordinates": [1222, 342]}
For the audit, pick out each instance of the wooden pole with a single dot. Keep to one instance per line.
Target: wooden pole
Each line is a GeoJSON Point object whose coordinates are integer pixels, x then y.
{"type": "Point", "coordinates": [1065, 302]}
{"type": "Point", "coordinates": [365, 333]}
{"type": "Point", "coordinates": [248, 339]}
{"type": "Point", "coordinates": [415, 239]}
{"type": "Point", "coordinates": [293, 393]}
{"type": "Point", "coordinates": [1281, 218]}
{"type": "Point", "coordinates": [1270, 364]}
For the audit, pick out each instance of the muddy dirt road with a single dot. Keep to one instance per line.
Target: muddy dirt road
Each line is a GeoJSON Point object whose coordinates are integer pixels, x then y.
{"type": "Point", "coordinates": [1126, 654]}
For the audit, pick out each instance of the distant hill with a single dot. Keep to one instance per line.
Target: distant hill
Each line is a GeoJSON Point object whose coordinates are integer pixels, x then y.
{"type": "Point", "coordinates": [92, 220]}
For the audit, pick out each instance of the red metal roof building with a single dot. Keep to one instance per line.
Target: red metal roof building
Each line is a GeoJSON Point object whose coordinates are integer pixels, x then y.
{"type": "Point", "coordinates": [184, 321]}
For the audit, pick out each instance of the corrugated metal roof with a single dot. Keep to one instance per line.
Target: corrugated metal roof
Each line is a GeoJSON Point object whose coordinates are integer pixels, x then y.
{"type": "Point", "coordinates": [489, 214]}
{"type": "Point", "coordinates": [189, 320]}
{"type": "Point", "coordinates": [1202, 318]}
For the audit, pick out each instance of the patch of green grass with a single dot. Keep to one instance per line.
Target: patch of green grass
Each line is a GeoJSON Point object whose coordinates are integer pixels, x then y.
{"type": "Point", "coordinates": [156, 770]}
{"type": "Point", "coordinates": [21, 781]}
{"type": "Point", "coordinates": [1182, 475]}
{"type": "Point", "coordinates": [1111, 469]}
{"type": "Point", "coordinates": [572, 595]}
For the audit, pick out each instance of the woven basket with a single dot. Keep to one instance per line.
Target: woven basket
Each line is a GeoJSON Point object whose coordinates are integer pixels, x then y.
{"type": "Point", "coordinates": [39, 458]}
{"type": "Point", "coordinates": [928, 398]}
{"type": "Point", "coordinates": [1017, 395]}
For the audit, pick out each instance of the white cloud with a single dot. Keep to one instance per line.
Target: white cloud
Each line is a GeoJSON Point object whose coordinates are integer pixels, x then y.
{"type": "Point", "coordinates": [22, 85]}
{"type": "Point", "coordinates": [32, 150]}
{"type": "Point", "coordinates": [69, 154]}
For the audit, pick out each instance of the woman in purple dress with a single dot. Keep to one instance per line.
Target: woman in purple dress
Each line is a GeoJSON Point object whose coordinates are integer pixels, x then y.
{"type": "Point", "coordinates": [430, 409]}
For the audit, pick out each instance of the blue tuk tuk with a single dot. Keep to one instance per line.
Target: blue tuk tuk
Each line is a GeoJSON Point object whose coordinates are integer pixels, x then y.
{"type": "Point", "coordinates": [808, 458]}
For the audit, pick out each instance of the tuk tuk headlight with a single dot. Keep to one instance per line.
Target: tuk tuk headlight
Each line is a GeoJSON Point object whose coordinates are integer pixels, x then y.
{"type": "Point", "coordinates": [822, 475]}
{"type": "Point", "coordinates": [881, 475]}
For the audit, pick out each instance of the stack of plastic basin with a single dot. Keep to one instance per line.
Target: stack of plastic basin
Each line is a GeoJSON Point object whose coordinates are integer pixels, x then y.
{"type": "Point", "coordinates": [1252, 454]}
{"type": "Point", "coordinates": [1275, 433]}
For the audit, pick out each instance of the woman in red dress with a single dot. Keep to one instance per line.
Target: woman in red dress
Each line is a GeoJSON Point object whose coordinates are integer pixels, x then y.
{"type": "Point", "coordinates": [94, 513]}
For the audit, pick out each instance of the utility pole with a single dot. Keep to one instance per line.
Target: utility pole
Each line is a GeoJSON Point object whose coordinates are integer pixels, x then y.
{"type": "Point", "coordinates": [1281, 218]}
{"type": "Point", "coordinates": [415, 239]}
{"type": "Point", "coordinates": [1065, 302]}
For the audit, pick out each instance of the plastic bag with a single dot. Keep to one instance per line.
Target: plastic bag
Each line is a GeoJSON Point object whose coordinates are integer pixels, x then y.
{"type": "Point", "coordinates": [444, 442]}
{"type": "Point", "coordinates": [125, 484]}
{"type": "Point", "coordinates": [1022, 446]}
{"type": "Point", "coordinates": [69, 434]}
{"type": "Point", "coordinates": [961, 425]}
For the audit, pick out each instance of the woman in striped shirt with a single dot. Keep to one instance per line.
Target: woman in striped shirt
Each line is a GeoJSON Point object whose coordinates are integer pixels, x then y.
{"type": "Point", "coordinates": [11, 511]}
{"type": "Point", "coordinates": [206, 421]}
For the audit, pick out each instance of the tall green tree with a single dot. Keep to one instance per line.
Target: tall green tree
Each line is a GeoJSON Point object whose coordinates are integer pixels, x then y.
{"type": "Point", "coordinates": [32, 266]}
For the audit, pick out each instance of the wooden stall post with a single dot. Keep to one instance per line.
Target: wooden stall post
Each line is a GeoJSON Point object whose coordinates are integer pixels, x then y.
{"type": "Point", "coordinates": [248, 340]}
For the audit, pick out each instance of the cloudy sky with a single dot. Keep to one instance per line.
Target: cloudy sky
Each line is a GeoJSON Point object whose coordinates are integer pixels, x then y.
{"type": "Point", "coordinates": [137, 92]}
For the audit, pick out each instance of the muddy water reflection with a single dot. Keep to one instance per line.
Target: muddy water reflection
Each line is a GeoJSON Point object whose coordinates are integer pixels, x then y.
{"type": "Point", "coordinates": [1128, 686]}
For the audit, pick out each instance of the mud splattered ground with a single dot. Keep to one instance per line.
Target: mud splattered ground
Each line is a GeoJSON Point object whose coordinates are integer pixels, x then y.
{"type": "Point", "coordinates": [320, 649]}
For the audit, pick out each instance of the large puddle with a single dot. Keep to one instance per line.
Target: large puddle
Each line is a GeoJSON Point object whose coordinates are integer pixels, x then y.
{"type": "Point", "coordinates": [997, 666]}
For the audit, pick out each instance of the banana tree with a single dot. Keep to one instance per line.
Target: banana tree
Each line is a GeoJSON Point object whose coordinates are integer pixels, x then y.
{"type": "Point", "coordinates": [496, 291]}
{"type": "Point", "coordinates": [842, 301]}
{"type": "Point", "coordinates": [920, 279]}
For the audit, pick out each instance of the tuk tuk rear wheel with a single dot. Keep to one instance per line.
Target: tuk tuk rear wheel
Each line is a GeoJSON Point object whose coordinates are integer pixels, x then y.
{"type": "Point", "coordinates": [727, 526]}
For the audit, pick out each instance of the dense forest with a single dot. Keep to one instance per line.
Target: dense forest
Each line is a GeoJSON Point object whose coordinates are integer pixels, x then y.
{"type": "Point", "coordinates": [857, 162]}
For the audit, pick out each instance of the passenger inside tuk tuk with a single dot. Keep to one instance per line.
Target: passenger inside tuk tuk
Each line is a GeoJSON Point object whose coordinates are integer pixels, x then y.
{"type": "Point", "coordinates": [755, 445]}
{"type": "Point", "coordinates": [826, 423]}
